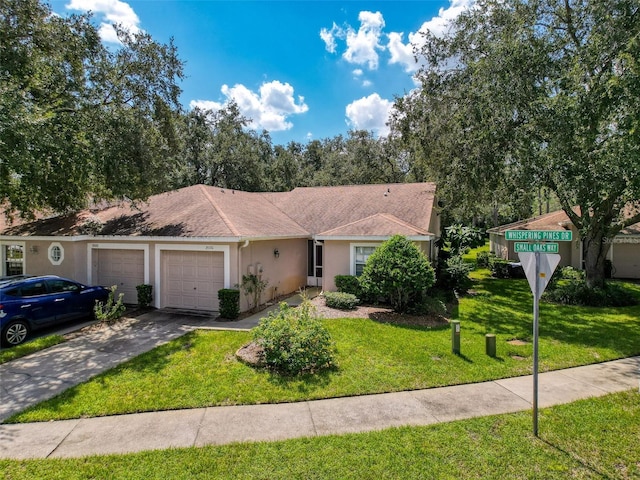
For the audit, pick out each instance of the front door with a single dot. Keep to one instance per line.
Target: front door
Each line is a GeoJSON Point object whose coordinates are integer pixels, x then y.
{"type": "Point", "coordinates": [314, 263]}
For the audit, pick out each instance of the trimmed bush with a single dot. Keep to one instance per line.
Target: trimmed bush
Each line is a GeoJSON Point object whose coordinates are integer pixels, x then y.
{"type": "Point", "coordinates": [145, 295]}
{"type": "Point", "coordinates": [430, 305]}
{"type": "Point", "coordinates": [347, 284]}
{"type": "Point", "coordinates": [229, 302]}
{"type": "Point", "coordinates": [399, 271]}
{"type": "Point", "coordinates": [577, 292]}
{"type": "Point", "coordinates": [341, 300]}
{"type": "Point", "coordinates": [294, 341]}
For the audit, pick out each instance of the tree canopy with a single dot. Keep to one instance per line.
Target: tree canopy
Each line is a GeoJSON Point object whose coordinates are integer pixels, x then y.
{"type": "Point", "coordinates": [78, 121]}
{"type": "Point", "coordinates": [521, 94]}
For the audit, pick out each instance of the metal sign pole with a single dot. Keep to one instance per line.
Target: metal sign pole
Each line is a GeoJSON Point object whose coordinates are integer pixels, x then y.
{"type": "Point", "coordinates": [535, 344]}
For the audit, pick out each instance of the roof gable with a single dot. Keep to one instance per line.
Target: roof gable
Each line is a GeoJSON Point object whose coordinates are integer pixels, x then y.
{"type": "Point", "coordinates": [380, 224]}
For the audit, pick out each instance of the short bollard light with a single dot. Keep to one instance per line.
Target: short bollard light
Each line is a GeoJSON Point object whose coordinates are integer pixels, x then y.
{"type": "Point", "coordinates": [490, 344]}
{"type": "Point", "coordinates": [455, 337]}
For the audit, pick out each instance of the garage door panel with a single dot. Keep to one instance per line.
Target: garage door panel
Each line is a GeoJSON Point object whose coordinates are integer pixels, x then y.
{"type": "Point", "coordinates": [122, 268]}
{"type": "Point", "coordinates": [191, 280]}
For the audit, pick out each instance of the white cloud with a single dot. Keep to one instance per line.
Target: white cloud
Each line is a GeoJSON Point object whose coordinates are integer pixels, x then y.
{"type": "Point", "coordinates": [357, 72]}
{"type": "Point", "coordinates": [363, 45]}
{"type": "Point", "coordinates": [367, 83]}
{"type": "Point", "coordinates": [109, 12]}
{"type": "Point", "coordinates": [329, 37]}
{"type": "Point", "coordinates": [369, 113]}
{"type": "Point", "coordinates": [268, 109]}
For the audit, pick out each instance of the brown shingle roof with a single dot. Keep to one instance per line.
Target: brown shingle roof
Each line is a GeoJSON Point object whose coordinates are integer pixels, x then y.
{"type": "Point", "coordinates": [205, 211]}
{"type": "Point", "coordinates": [320, 209]}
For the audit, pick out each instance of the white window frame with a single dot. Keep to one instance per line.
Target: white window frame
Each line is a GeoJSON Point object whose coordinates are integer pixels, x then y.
{"type": "Point", "coordinates": [52, 247]}
{"type": "Point", "coordinates": [3, 256]}
{"type": "Point", "coordinates": [352, 254]}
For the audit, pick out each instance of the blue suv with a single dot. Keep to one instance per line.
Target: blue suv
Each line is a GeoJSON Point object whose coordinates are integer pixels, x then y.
{"type": "Point", "coordinates": [29, 303]}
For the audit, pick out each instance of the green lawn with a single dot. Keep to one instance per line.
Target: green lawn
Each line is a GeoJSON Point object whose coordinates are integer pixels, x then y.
{"type": "Point", "coordinates": [200, 369]}
{"type": "Point", "coordinates": [590, 439]}
{"type": "Point", "coordinates": [27, 348]}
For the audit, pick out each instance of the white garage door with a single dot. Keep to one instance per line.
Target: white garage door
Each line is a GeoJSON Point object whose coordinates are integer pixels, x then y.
{"type": "Point", "coordinates": [191, 280]}
{"type": "Point", "coordinates": [123, 268]}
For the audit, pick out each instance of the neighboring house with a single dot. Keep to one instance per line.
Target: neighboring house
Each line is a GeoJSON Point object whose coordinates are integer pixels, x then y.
{"type": "Point", "coordinates": [624, 249]}
{"type": "Point", "coordinates": [191, 242]}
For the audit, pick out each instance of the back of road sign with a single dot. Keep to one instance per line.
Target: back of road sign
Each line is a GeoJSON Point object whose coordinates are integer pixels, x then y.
{"type": "Point", "coordinates": [548, 264]}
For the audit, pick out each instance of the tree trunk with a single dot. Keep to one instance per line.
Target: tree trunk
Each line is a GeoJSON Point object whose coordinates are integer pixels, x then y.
{"type": "Point", "coordinates": [595, 254]}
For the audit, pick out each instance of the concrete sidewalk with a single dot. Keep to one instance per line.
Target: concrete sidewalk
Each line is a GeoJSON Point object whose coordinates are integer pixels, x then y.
{"type": "Point", "coordinates": [222, 425]}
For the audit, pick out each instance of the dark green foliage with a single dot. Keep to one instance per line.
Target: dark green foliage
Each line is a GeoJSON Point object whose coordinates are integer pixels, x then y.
{"type": "Point", "coordinates": [483, 259]}
{"type": "Point", "coordinates": [341, 300]}
{"type": "Point", "coordinates": [347, 284]}
{"type": "Point", "coordinates": [294, 341]}
{"type": "Point", "coordinates": [453, 274]}
{"type": "Point", "coordinates": [145, 295]}
{"type": "Point", "coordinates": [577, 292]}
{"type": "Point", "coordinates": [501, 268]}
{"type": "Point", "coordinates": [229, 303]}
{"type": "Point", "coordinates": [432, 305]}
{"type": "Point", "coordinates": [398, 271]}
{"type": "Point", "coordinates": [460, 238]}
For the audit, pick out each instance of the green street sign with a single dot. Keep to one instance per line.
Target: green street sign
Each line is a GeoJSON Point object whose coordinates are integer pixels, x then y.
{"type": "Point", "coordinates": [524, 247]}
{"type": "Point", "coordinates": [539, 235]}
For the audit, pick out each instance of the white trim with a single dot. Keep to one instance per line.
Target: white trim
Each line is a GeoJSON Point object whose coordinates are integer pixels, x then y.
{"type": "Point", "coordinates": [352, 254]}
{"type": "Point", "coordinates": [139, 238]}
{"type": "Point", "coordinates": [3, 267]}
{"type": "Point", "coordinates": [53, 245]}
{"type": "Point", "coordinates": [190, 248]}
{"type": "Point", "coordinates": [116, 246]}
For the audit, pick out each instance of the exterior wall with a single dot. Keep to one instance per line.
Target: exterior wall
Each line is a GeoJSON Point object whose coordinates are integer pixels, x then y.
{"type": "Point", "coordinates": [338, 259]}
{"type": "Point", "coordinates": [499, 246]}
{"type": "Point", "coordinates": [625, 257]}
{"type": "Point", "coordinates": [285, 273]}
{"type": "Point", "coordinates": [73, 264]}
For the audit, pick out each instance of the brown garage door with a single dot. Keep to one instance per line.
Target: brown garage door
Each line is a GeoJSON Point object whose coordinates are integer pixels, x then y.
{"type": "Point", "coordinates": [123, 268]}
{"type": "Point", "coordinates": [191, 280]}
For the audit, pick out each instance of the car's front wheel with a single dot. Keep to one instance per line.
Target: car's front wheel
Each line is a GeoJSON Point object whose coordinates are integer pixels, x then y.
{"type": "Point", "coordinates": [15, 333]}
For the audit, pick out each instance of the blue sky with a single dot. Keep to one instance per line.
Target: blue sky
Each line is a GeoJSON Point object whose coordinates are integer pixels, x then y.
{"type": "Point", "coordinates": [300, 69]}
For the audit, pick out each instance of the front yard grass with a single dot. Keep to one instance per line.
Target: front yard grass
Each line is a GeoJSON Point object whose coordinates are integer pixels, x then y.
{"type": "Point", "coordinates": [200, 369]}
{"type": "Point", "coordinates": [27, 348]}
{"type": "Point", "coordinates": [590, 439]}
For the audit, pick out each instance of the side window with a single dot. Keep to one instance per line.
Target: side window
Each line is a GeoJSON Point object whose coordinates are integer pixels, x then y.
{"type": "Point", "coordinates": [361, 256]}
{"type": "Point", "coordinates": [56, 253]}
{"type": "Point", "coordinates": [33, 289]}
{"type": "Point", "coordinates": [14, 292]}
{"type": "Point", "coordinates": [58, 286]}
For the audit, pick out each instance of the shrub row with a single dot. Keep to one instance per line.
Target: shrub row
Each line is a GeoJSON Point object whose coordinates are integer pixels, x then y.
{"type": "Point", "coordinates": [576, 292]}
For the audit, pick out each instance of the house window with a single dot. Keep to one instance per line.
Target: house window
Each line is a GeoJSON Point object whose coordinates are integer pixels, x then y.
{"type": "Point", "coordinates": [13, 259]}
{"type": "Point", "coordinates": [362, 254]}
{"type": "Point", "coordinates": [56, 253]}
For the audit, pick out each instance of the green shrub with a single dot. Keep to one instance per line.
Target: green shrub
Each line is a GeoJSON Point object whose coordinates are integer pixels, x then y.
{"type": "Point", "coordinates": [341, 300]}
{"type": "Point", "coordinates": [483, 259]}
{"type": "Point", "coordinates": [347, 284]}
{"type": "Point", "coordinates": [294, 341]}
{"type": "Point", "coordinates": [145, 295]}
{"type": "Point", "coordinates": [112, 310]}
{"type": "Point", "coordinates": [501, 268]}
{"type": "Point", "coordinates": [253, 287]}
{"type": "Point", "coordinates": [453, 275]}
{"type": "Point", "coordinates": [399, 271]}
{"type": "Point", "coordinates": [576, 292]}
{"type": "Point", "coordinates": [229, 303]}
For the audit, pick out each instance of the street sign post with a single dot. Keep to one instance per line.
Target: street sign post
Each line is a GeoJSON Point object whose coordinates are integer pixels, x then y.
{"type": "Point", "coordinates": [551, 247]}
{"type": "Point", "coordinates": [538, 268]}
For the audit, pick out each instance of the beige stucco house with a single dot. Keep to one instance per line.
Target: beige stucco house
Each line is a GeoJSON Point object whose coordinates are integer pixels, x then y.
{"type": "Point", "coordinates": [191, 242]}
{"type": "Point", "coordinates": [624, 249]}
